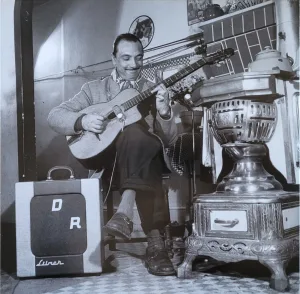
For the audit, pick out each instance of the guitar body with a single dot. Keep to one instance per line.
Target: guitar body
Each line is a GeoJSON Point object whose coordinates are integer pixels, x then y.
{"type": "Point", "coordinates": [87, 144]}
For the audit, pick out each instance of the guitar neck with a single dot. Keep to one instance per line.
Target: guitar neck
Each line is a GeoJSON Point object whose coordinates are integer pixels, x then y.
{"type": "Point", "coordinates": [167, 82]}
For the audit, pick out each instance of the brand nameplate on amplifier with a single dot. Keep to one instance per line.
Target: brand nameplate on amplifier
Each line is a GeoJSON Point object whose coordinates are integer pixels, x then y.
{"type": "Point", "coordinates": [59, 265]}
{"type": "Point", "coordinates": [49, 263]}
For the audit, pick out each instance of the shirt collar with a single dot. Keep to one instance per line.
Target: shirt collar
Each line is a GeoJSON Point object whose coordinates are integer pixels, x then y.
{"type": "Point", "coordinates": [115, 76]}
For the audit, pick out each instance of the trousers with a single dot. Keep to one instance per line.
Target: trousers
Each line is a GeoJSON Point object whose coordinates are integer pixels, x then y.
{"type": "Point", "coordinates": [139, 167]}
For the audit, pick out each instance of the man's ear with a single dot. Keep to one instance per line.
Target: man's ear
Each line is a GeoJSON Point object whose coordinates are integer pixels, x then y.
{"type": "Point", "coordinates": [113, 58]}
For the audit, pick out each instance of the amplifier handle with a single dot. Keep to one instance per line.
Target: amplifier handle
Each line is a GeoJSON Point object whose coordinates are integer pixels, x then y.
{"type": "Point", "coordinates": [49, 178]}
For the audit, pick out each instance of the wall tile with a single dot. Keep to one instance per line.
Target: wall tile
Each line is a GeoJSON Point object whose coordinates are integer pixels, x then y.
{"type": "Point", "coordinates": [227, 28]}
{"type": "Point", "coordinates": [252, 38]}
{"type": "Point", "coordinates": [237, 64]}
{"type": "Point", "coordinates": [231, 43]}
{"type": "Point", "coordinates": [220, 69]}
{"type": "Point", "coordinates": [248, 21]}
{"type": "Point", "coordinates": [244, 51]}
{"type": "Point", "coordinates": [207, 34]}
{"type": "Point", "coordinates": [217, 31]}
{"type": "Point", "coordinates": [237, 24]}
{"type": "Point", "coordinates": [272, 32]}
{"type": "Point", "coordinates": [264, 38]}
{"type": "Point", "coordinates": [259, 18]}
{"type": "Point", "coordinates": [270, 15]}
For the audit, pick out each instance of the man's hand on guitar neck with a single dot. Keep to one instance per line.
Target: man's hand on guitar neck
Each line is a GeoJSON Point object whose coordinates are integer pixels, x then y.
{"type": "Point", "coordinates": [162, 101]}
{"type": "Point", "coordinates": [93, 122]}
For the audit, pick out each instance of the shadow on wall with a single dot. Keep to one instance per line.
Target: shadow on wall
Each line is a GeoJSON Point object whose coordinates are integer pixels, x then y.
{"type": "Point", "coordinates": [43, 30]}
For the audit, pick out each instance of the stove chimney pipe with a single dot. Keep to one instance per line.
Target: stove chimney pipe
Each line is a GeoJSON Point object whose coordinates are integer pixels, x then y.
{"type": "Point", "coordinates": [287, 20]}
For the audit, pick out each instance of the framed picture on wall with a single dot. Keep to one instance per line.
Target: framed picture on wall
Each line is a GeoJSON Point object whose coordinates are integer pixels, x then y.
{"type": "Point", "coordinates": [143, 28]}
{"type": "Point", "coordinates": [195, 9]}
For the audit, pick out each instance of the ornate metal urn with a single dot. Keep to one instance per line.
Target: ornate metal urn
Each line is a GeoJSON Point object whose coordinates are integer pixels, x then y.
{"type": "Point", "coordinates": [242, 126]}
{"type": "Point", "coordinates": [250, 216]}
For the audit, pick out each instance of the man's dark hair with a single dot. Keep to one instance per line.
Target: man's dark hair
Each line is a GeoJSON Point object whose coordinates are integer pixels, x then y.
{"type": "Point", "coordinates": [126, 37]}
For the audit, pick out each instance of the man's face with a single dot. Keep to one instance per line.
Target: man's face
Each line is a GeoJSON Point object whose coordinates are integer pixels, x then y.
{"type": "Point", "coordinates": [201, 2]}
{"type": "Point", "coordinates": [128, 60]}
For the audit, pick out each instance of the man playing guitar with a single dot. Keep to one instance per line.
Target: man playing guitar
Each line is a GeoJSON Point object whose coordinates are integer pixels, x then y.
{"type": "Point", "coordinates": [139, 147]}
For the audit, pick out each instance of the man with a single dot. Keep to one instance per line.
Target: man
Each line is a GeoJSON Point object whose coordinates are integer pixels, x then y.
{"type": "Point", "coordinates": [139, 147]}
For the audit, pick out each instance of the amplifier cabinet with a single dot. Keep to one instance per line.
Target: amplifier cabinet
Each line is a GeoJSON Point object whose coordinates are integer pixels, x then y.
{"type": "Point", "coordinates": [59, 227]}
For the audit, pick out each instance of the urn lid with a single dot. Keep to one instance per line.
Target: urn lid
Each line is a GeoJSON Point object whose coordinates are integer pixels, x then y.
{"type": "Point", "coordinates": [268, 52]}
{"type": "Point", "coordinates": [270, 59]}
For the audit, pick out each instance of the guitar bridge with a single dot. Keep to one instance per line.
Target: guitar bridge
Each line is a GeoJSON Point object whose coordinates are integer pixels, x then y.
{"type": "Point", "coordinates": [119, 113]}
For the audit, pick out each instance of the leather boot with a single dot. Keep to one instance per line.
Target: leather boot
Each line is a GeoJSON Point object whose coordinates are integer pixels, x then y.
{"type": "Point", "coordinates": [157, 259]}
{"type": "Point", "coordinates": [119, 226]}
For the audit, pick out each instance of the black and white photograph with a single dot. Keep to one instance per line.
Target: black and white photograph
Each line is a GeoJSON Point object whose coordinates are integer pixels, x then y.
{"type": "Point", "coordinates": [143, 28]}
{"type": "Point", "coordinates": [195, 10]}
{"type": "Point", "coordinates": [150, 146]}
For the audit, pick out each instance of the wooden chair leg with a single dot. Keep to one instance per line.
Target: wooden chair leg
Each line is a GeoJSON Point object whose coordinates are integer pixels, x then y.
{"type": "Point", "coordinates": [168, 236]}
{"type": "Point", "coordinates": [166, 196]}
{"type": "Point", "coordinates": [110, 213]}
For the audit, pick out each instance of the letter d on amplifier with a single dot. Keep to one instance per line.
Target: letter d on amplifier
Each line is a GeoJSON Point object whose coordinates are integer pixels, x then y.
{"type": "Point", "coordinates": [56, 204]}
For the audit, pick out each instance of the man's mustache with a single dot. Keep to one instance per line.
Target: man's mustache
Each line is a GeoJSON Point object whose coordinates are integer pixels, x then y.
{"type": "Point", "coordinates": [132, 68]}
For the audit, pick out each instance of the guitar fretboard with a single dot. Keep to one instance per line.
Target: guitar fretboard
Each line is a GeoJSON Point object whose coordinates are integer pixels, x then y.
{"type": "Point", "coordinates": [167, 82]}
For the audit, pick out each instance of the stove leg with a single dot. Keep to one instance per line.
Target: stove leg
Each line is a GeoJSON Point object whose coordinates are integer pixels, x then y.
{"type": "Point", "coordinates": [184, 271]}
{"type": "Point", "coordinates": [279, 280]}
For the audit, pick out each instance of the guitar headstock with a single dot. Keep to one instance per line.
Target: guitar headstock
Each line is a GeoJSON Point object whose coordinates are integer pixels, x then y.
{"type": "Point", "coordinates": [219, 55]}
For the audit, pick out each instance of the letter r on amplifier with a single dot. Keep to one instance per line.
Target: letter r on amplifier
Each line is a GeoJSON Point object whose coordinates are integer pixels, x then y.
{"type": "Point", "coordinates": [75, 221]}
{"type": "Point", "coordinates": [56, 204]}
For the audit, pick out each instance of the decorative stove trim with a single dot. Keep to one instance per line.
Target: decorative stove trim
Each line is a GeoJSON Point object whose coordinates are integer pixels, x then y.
{"type": "Point", "coordinates": [270, 221]}
{"type": "Point", "coordinates": [268, 250]}
{"type": "Point", "coordinates": [228, 247]}
{"type": "Point", "coordinates": [242, 249]}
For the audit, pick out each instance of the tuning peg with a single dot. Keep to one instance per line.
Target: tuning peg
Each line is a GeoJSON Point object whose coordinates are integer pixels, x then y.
{"type": "Point", "coordinates": [200, 49]}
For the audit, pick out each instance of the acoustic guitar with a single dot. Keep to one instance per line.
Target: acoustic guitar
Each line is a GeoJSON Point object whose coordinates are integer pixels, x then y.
{"type": "Point", "coordinates": [122, 110]}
